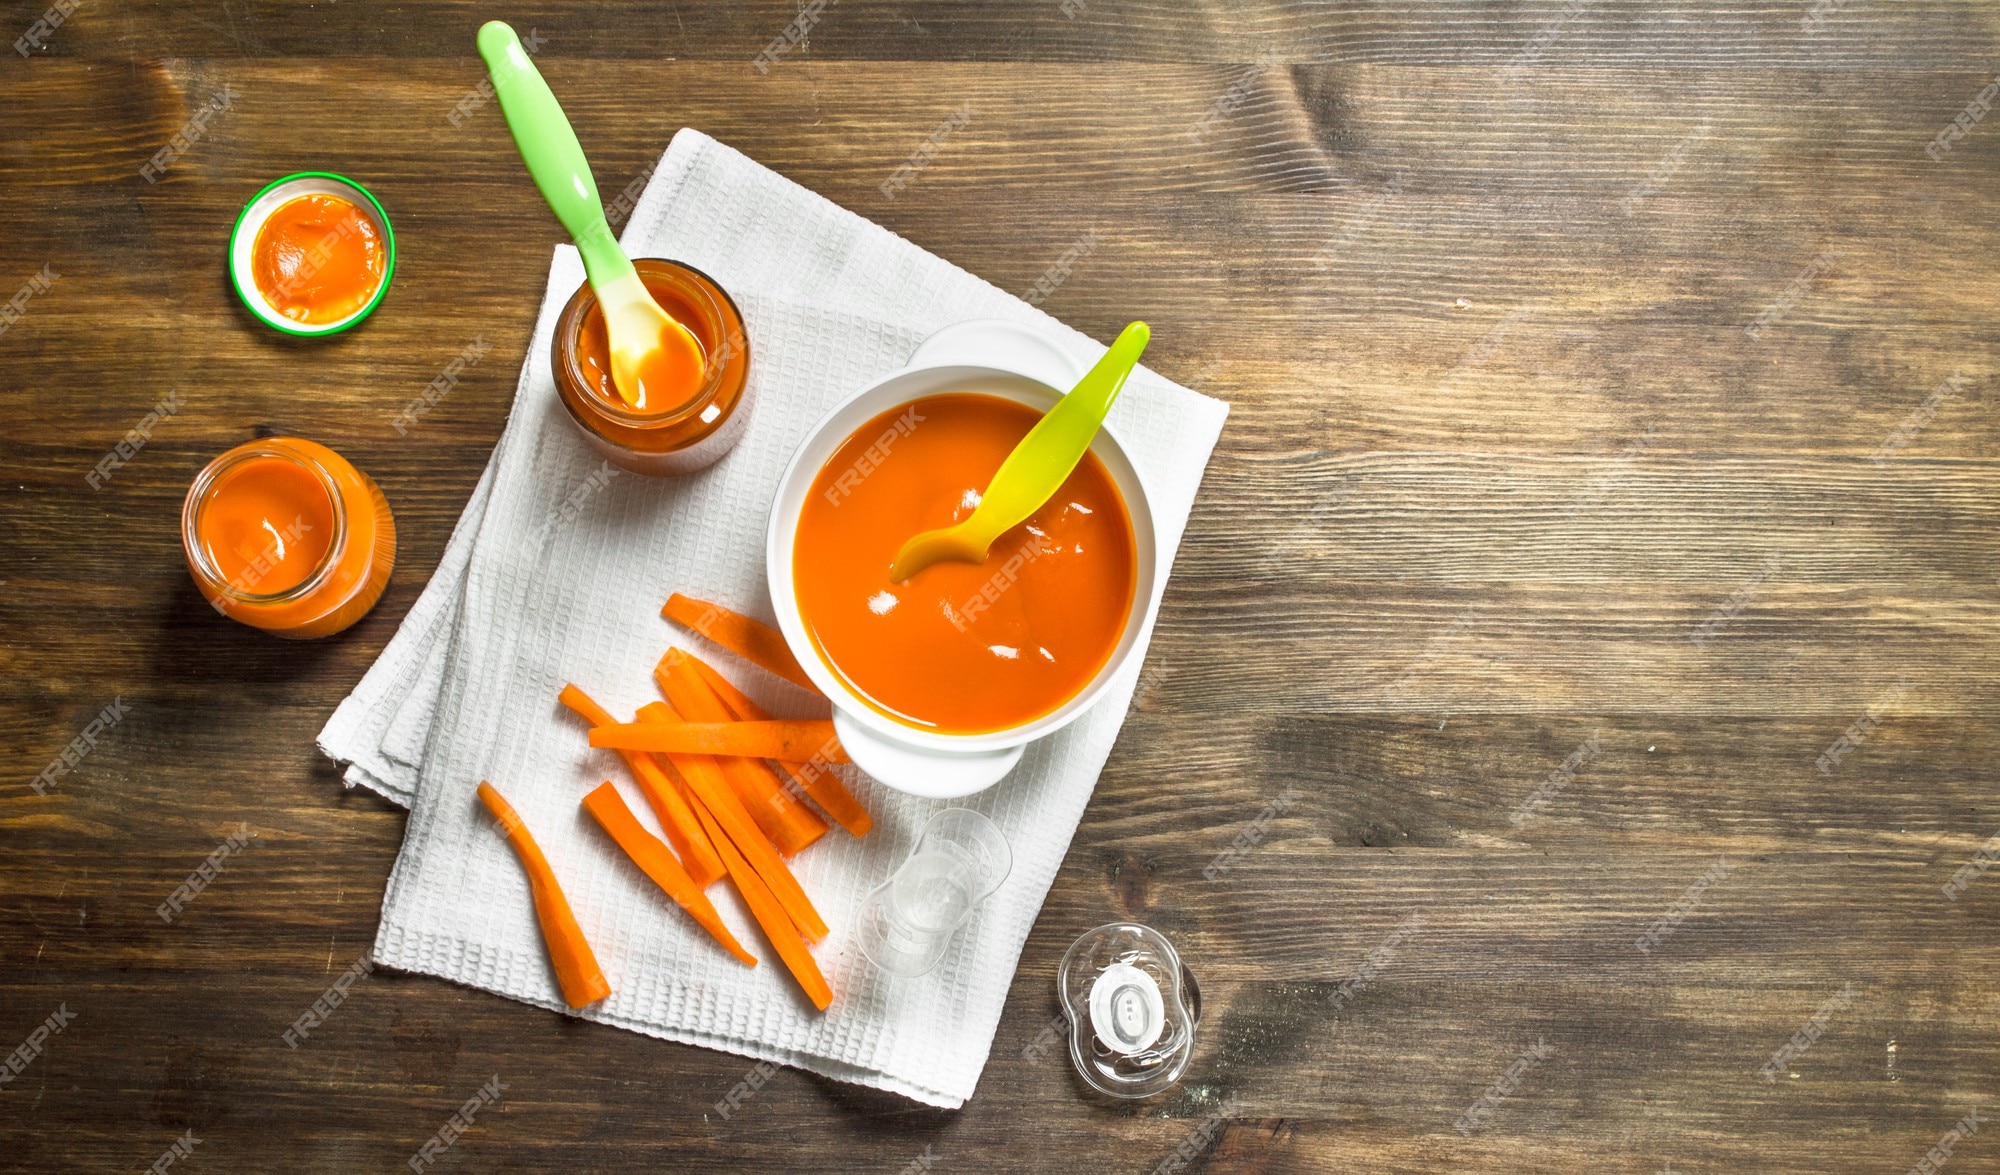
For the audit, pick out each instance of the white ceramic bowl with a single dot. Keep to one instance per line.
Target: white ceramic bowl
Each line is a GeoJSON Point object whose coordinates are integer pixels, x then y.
{"type": "Point", "coordinates": [996, 358]}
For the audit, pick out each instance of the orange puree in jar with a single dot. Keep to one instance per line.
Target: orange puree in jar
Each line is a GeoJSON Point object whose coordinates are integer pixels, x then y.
{"type": "Point", "coordinates": [286, 535]}
{"type": "Point", "coordinates": [318, 259]}
{"type": "Point", "coordinates": [268, 524]}
{"type": "Point", "coordinates": [663, 384]}
{"type": "Point", "coordinates": [679, 425]}
{"type": "Point", "coordinates": [960, 648]}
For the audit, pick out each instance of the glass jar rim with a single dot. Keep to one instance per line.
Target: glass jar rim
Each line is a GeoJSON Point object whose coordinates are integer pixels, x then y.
{"type": "Point", "coordinates": [715, 358]}
{"type": "Point", "coordinates": [198, 496]}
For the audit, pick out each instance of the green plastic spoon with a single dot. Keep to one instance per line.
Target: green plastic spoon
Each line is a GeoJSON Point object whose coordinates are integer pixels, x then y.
{"type": "Point", "coordinates": [1037, 467]}
{"type": "Point", "coordinates": [656, 362]}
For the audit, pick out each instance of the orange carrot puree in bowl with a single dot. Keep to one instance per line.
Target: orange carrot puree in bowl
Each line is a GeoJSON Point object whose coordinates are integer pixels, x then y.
{"type": "Point", "coordinates": [960, 648]}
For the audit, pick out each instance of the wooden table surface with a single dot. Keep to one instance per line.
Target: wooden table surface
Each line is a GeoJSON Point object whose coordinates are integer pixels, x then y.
{"type": "Point", "coordinates": [1596, 464]}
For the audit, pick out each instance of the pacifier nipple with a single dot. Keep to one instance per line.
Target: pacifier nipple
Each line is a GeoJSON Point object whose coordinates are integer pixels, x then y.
{"type": "Point", "coordinates": [1126, 1011]}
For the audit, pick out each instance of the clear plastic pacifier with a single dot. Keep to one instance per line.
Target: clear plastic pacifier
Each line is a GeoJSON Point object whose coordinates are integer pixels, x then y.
{"type": "Point", "coordinates": [1132, 1007]}
{"type": "Point", "coordinates": [908, 920]}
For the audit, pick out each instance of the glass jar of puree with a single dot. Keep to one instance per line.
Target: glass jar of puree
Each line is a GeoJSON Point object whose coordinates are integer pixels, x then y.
{"type": "Point", "coordinates": [669, 439]}
{"type": "Point", "coordinates": [285, 535]}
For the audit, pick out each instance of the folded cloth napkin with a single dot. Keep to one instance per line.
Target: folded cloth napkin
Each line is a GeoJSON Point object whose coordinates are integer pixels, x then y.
{"type": "Point", "coordinates": [556, 572]}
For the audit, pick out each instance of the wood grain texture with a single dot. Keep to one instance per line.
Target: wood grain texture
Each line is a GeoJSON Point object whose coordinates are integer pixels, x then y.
{"type": "Point", "coordinates": [1501, 444]}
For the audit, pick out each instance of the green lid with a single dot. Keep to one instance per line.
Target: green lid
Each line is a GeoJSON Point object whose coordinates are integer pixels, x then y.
{"type": "Point", "coordinates": [243, 240]}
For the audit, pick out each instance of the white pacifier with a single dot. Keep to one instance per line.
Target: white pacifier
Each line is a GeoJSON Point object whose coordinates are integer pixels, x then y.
{"type": "Point", "coordinates": [1132, 1008]}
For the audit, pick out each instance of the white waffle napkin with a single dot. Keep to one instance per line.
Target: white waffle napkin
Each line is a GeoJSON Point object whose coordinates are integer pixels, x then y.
{"type": "Point", "coordinates": [556, 572]}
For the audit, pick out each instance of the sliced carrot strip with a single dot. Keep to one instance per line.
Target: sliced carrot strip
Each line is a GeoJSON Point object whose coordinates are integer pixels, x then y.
{"type": "Point", "coordinates": [703, 866]}
{"type": "Point", "coordinates": [813, 775]}
{"type": "Point", "coordinates": [752, 640]}
{"type": "Point", "coordinates": [650, 854]}
{"type": "Point", "coordinates": [816, 777]}
{"type": "Point", "coordinates": [770, 914]}
{"type": "Point", "coordinates": [577, 973]}
{"type": "Point", "coordinates": [705, 783]}
{"type": "Point", "coordinates": [790, 825]}
{"type": "Point", "coordinates": [739, 703]}
{"type": "Point", "coordinates": [795, 739]}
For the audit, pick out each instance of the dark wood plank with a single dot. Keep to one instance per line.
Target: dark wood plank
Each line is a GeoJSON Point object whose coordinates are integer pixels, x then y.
{"type": "Point", "coordinates": [1501, 444]}
{"type": "Point", "coordinates": [1453, 33]}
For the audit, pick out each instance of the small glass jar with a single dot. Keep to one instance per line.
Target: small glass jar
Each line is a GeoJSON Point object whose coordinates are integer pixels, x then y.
{"type": "Point", "coordinates": [285, 535]}
{"type": "Point", "coordinates": [685, 437]}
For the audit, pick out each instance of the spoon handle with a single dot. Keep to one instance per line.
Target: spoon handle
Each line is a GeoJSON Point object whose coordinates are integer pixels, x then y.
{"type": "Point", "coordinates": [549, 148]}
{"type": "Point", "coordinates": [1037, 467]}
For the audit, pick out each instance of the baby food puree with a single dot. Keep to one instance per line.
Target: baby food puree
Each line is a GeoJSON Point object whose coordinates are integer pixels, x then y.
{"type": "Point", "coordinates": [663, 384]}
{"type": "Point", "coordinates": [960, 648]}
{"type": "Point", "coordinates": [318, 259]}
{"type": "Point", "coordinates": [678, 425]}
{"type": "Point", "coordinates": [288, 536]}
{"type": "Point", "coordinates": [266, 524]}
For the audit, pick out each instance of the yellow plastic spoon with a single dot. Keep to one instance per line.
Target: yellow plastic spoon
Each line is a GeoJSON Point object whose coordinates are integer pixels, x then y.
{"type": "Point", "coordinates": [1037, 467]}
{"type": "Point", "coordinates": [656, 363]}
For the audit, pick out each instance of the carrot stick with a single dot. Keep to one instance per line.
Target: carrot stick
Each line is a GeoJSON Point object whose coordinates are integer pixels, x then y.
{"type": "Point", "coordinates": [752, 640]}
{"type": "Point", "coordinates": [581, 979]}
{"type": "Point", "coordinates": [739, 703]}
{"type": "Point", "coordinates": [821, 784]}
{"type": "Point", "coordinates": [705, 783]}
{"type": "Point", "coordinates": [795, 739]}
{"type": "Point", "coordinates": [650, 854]}
{"type": "Point", "coordinates": [770, 914]}
{"type": "Point", "coordinates": [790, 825]}
{"type": "Point", "coordinates": [703, 866]}
{"type": "Point", "coordinates": [817, 778]}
